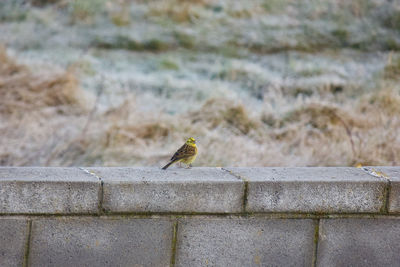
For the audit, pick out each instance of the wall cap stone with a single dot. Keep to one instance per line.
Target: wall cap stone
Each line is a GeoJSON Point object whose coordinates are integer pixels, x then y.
{"type": "Point", "coordinates": [317, 189]}
{"type": "Point", "coordinates": [207, 190]}
{"type": "Point", "coordinates": [35, 190]}
{"type": "Point", "coordinates": [200, 190]}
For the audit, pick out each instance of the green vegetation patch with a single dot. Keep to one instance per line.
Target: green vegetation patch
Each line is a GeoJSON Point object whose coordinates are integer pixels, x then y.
{"type": "Point", "coordinates": [169, 64]}
{"type": "Point", "coordinates": [392, 20]}
{"type": "Point", "coordinates": [12, 11]}
{"type": "Point", "coordinates": [124, 42]}
{"type": "Point", "coordinates": [86, 10]}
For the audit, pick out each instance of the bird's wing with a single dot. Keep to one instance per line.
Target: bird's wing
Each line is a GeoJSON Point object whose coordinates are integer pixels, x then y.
{"type": "Point", "coordinates": [184, 152]}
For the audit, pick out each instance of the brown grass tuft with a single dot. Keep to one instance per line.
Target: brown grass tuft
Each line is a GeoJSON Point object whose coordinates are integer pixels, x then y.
{"type": "Point", "coordinates": [392, 68]}
{"type": "Point", "coordinates": [23, 91]}
{"type": "Point", "coordinates": [223, 113]}
{"type": "Point", "coordinates": [321, 116]}
{"type": "Point", "coordinates": [386, 101]}
{"type": "Point", "coordinates": [178, 10]}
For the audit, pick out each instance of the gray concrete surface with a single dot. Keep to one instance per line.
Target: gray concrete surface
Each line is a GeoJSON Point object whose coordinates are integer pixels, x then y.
{"type": "Point", "coordinates": [393, 173]}
{"type": "Point", "coordinates": [48, 190]}
{"type": "Point", "coordinates": [321, 189]}
{"type": "Point", "coordinates": [13, 237]}
{"type": "Point", "coordinates": [101, 242]}
{"type": "Point", "coordinates": [172, 190]}
{"type": "Point", "coordinates": [359, 242]}
{"type": "Point", "coordinates": [245, 242]}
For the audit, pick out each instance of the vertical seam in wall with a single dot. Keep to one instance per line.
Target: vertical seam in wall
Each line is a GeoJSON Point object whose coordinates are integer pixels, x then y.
{"type": "Point", "coordinates": [245, 194]}
{"type": "Point", "coordinates": [386, 191]}
{"type": "Point", "coordinates": [27, 245]}
{"type": "Point", "coordinates": [245, 188]}
{"type": "Point", "coordinates": [315, 243]}
{"type": "Point", "coordinates": [101, 190]}
{"type": "Point", "coordinates": [387, 196]}
{"type": "Point", "coordinates": [101, 197]}
{"type": "Point", "coordinates": [173, 243]}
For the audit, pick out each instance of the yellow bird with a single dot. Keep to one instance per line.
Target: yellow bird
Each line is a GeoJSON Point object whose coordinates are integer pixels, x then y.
{"type": "Point", "coordinates": [186, 154]}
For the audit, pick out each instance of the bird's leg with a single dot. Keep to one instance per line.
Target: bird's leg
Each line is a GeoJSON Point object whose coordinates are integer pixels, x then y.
{"type": "Point", "coordinates": [189, 166]}
{"type": "Point", "coordinates": [180, 164]}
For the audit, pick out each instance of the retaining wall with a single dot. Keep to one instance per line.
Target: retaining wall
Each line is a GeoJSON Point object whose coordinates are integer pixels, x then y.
{"type": "Point", "coordinates": [200, 217]}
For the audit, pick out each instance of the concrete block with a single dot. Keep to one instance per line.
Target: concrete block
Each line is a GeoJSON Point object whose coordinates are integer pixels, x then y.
{"type": "Point", "coordinates": [321, 189]}
{"type": "Point", "coordinates": [13, 238]}
{"type": "Point", "coordinates": [393, 174]}
{"type": "Point", "coordinates": [48, 190]}
{"type": "Point", "coordinates": [101, 242]}
{"type": "Point", "coordinates": [245, 242]}
{"type": "Point", "coordinates": [172, 190]}
{"type": "Point", "coordinates": [359, 242]}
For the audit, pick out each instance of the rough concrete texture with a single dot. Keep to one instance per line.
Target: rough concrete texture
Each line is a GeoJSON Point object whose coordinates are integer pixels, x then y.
{"type": "Point", "coordinates": [393, 174]}
{"type": "Point", "coordinates": [359, 242]}
{"type": "Point", "coordinates": [101, 242]}
{"type": "Point", "coordinates": [245, 242]}
{"type": "Point", "coordinates": [13, 238]}
{"type": "Point", "coordinates": [48, 190]}
{"type": "Point", "coordinates": [321, 189]}
{"type": "Point", "coordinates": [178, 190]}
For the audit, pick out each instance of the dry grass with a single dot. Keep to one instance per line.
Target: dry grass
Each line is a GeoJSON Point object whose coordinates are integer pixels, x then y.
{"type": "Point", "coordinates": [223, 113]}
{"type": "Point", "coordinates": [179, 11]}
{"type": "Point", "coordinates": [46, 120]}
{"type": "Point", "coordinates": [22, 91]}
{"type": "Point", "coordinates": [392, 68]}
{"type": "Point", "coordinates": [36, 109]}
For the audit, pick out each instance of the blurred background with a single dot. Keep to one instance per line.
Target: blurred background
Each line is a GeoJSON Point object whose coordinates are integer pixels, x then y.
{"type": "Point", "coordinates": [256, 82]}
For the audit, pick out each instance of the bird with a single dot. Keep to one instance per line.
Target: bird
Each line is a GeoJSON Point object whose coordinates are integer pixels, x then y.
{"type": "Point", "coordinates": [186, 154]}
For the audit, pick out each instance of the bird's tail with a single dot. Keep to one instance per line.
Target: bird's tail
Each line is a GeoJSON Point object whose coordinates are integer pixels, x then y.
{"type": "Point", "coordinates": [169, 164]}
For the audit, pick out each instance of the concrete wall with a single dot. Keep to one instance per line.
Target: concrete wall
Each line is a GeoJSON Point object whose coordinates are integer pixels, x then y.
{"type": "Point", "coordinates": [200, 217]}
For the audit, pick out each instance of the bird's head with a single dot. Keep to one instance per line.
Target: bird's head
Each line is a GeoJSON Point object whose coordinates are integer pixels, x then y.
{"type": "Point", "coordinates": [191, 141]}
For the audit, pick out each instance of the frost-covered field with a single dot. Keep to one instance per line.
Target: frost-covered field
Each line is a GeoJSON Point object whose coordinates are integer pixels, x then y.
{"type": "Point", "coordinates": [257, 83]}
